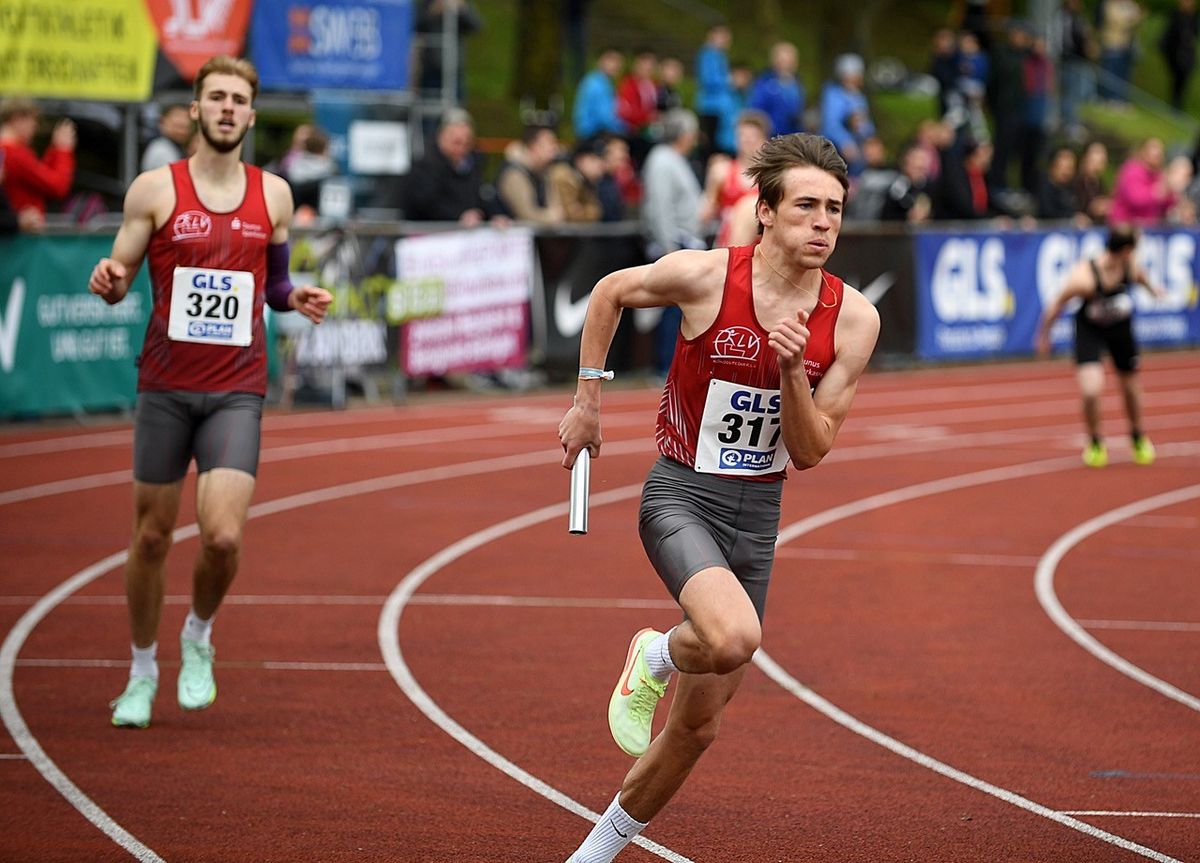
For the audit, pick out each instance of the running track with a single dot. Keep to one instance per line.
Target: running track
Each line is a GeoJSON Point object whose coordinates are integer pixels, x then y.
{"type": "Point", "coordinates": [975, 649]}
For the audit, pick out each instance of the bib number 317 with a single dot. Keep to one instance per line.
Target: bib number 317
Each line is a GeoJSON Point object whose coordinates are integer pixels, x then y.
{"type": "Point", "coordinates": [740, 431]}
{"type": "Point", "coordinates": [213, 307]}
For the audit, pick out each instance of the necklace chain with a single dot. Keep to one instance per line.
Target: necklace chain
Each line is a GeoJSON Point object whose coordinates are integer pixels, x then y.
{"type": "Point", "coordinates": [825, 284]}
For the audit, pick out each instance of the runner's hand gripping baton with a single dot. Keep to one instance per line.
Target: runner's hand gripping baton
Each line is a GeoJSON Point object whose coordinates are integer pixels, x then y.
{"type": "Point", "coordinates": [577, 520]}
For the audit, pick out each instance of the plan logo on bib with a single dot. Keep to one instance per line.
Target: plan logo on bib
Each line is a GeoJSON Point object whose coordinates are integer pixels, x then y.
{"type": "Point", "coordinates": [736, 343]}
{"type": "Point", "coordinates": [192, 31]}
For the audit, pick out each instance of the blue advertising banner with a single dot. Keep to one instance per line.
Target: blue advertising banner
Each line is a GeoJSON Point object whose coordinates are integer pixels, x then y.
{"type": "Point", "coordinates": [981, 293]}
{"type": "Point", "coordinates": [332, 44]}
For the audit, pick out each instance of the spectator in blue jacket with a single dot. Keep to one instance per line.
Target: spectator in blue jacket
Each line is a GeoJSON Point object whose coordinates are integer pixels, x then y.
{"type": "Point", "coordinates": [778, 93]}
{"type": "Point", "coordinates": [595, 109]}
{"type": "Point", "coordinates": [845, 115]}
{"type": "Point", "coordinates": [712, 85]}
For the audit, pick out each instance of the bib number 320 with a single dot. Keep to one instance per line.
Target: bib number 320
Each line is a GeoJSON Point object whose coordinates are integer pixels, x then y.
{"type": "Point", "coordinates": [212, 307]}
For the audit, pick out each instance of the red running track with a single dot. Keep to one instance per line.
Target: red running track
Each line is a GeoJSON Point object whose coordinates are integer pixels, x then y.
{"type": "Point", "coordinates": [975, 648]}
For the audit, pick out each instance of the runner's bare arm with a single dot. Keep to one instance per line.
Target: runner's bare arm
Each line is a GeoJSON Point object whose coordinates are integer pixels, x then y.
{"type": "Point", "coordinates": [143, 211]}
{"type": "Point", "coordinates": [811, 419]}
{"type": "Point", "coordinates": [1080, 282]}
{"type": "Point", "coordinates": [688, 279]}
{"type": "Point", "coordinates": [1143, 278]}
{"type": "Point", "coordinates": [308, 300]}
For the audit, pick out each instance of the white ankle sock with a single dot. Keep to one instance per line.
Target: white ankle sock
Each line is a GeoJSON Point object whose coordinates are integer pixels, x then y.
{"type": "Point", "coordinates": [197, 629]}
{"type": "Point", "coordinates": [612, 832]}
{"type": "Point", "coordinates": [658, 656]}
{"type": "Point", "coordinates": [144, 662]}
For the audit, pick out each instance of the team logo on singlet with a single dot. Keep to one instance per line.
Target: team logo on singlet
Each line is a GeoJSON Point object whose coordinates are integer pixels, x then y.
{"type": "Point", "coordinates": [736, 343]}
{"type": "Point", "coordinates": [192, 225]}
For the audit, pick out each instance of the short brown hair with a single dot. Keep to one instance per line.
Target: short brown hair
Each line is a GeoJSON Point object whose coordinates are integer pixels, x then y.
{"type": "Point", "coordinates": [223, 64]}
{"type": "Point", "coordinates": [796, 150]}
{"type": "Point", "coordinates": [17, 106]}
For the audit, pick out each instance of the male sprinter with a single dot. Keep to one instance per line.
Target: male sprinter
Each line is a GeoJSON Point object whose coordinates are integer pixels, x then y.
{"type": "Point", "coordinates": [1104, 322]}
{"type": "Point", "coordinates": [765, 369]}
{"type": "Point", "coordinates": [215, 230]}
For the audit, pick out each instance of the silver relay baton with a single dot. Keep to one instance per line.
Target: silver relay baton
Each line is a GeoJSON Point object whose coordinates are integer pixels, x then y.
{"type": "Point", "coordinates": [581, 471]}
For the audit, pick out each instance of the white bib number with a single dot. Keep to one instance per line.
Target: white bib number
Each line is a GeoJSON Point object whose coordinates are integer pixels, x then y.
{"type": "Point", "coordinates": [211, 307]}
{"type": "Point", "coordinates": [740, 431]}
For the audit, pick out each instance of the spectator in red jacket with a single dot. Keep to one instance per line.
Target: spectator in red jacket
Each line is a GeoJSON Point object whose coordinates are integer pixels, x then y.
{"type": "Point", "coordinates": [637, 103]}
{"type": "Point", "coordinates": [30, 182]}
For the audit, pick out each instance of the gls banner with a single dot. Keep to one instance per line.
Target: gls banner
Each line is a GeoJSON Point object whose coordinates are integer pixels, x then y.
{"type": "Point", "coordinates": [332, 44]}
{"type": "Point", "coordinates": [982, 293]}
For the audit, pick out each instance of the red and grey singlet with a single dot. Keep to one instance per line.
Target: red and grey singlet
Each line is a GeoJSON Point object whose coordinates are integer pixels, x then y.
{"type": "Point", "coordinates": [208, 279]}
{"type": "Point", "coordinates": [720, 408]}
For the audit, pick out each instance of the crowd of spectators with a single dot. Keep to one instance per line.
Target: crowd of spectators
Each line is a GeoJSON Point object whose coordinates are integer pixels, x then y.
{"type": "Point", "coordinates": [1007, 141]}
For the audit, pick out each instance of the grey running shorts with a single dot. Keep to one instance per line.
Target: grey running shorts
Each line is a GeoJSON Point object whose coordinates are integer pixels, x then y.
{"type": "Point", "coordinates": [691, 521]}
{"type": "Point", "coordinates": [218, 429]}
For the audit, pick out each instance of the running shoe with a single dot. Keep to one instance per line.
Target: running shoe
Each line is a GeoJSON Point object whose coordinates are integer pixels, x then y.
{"type": "Point", "coordinates": [1143, 450]}
{"type": "Point", "coordinates": [637, 693]}
{"type": "Point", "coordinates": [197, 689]}
{"type": "Point", "coordinates": [1095, 455]}
{"type": "Point", "coordinates": [131, 709]}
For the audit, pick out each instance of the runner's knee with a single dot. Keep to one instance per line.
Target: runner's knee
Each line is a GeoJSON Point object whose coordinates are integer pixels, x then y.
{"type": "Point", "coordinates": [223, 542]}
{"type": "Point", "coordinates": [731, 646]}
{"type": "Point", "coordinates": [150, 542]}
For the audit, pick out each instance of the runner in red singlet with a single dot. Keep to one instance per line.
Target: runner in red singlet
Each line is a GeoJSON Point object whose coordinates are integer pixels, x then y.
{"type": "Point", "coordinates": [215, 231]}
{"type": "Point", "coordinates": [765, 369]}
{"type": "Point", "coordinates": [727, 181]}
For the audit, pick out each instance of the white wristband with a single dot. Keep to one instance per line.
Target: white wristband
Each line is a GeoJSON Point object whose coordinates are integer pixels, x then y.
{"type": "Point", "coordinates": [589, 374]}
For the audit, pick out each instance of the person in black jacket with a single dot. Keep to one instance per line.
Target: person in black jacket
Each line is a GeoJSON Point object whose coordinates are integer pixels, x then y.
{"type": "Point", "coordinates": [1178, 46]}
{"type": "Point", "coordinates": [1056, 197]}
{"type": "Point", "coordinates": [447, 185]}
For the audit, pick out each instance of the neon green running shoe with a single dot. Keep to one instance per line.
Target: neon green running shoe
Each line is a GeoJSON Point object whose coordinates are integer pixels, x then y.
{"type": "Point", "coordinates": [1095, 455]}
{"type": "Point", "coordinates": [637, 693]}
{"type": "Point", "coordinates": [131, 709]}
{"type": "Point", "coordinates": [1143, 450]}
{"type": "Point", "coordinates": [196, 689]}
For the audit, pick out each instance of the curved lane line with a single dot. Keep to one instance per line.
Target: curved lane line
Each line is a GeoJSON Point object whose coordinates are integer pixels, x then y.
{"type": "Point", "coordinates": [773, 670]}
{"type": "Point", "coordinates": [1044, 585]}
{"type": "Point", "coordinates": [16, 637]}
{"type": "Point", "coordinates": [389, 645]}
{"type": "Point", "coordinates": [25, 625]}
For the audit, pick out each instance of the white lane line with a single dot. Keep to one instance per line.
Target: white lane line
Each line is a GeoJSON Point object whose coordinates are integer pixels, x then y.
{"type": "Point", "coordinates": [1102, 813]}
{"type": "Point", "coordinates": [389, 642]}
{"type": "Point", "coordinates": [774, 671]}
{"type": "Point", "coordinates": [389, 645]}
{"type": "Point", "coordinates": [16, 637]}
{"type": "Point", "coordinates": [1143, 625]}
{"type": "Point", "coordinates": [24, 738]}
{"type": "Point", "coordinates": [1044, 586]}
{"type": "Point", "coordinates": [448, 599]}
{"type": "Point", "coordinates": [828, 709]}
{"type": "Point", "coordinates": [1019, 561]}
{"type": "Point", "coordinates": [240, 664]}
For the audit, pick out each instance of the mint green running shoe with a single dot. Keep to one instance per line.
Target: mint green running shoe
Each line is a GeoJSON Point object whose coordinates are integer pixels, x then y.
{"type": "Point", "coordinates": [131, 709]}
{"type": "Point", "coordinates": [637, 693]}
{"type": "Point", "coordinates": [196, 689]}
{"type": "Point", "coordinates": [1143, 451]}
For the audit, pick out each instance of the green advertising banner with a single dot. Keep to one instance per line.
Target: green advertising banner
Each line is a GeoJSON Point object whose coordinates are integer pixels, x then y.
{"type": "Point", "coordinates": [63, 350]}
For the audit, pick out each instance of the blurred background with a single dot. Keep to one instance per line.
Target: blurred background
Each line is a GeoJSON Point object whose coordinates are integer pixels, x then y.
{"type": "Point", "coordinates": [465, 170]}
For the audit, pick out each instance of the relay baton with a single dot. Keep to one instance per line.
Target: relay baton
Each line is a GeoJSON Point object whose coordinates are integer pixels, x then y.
{"type": "Point", "coordinates": [581, 471]}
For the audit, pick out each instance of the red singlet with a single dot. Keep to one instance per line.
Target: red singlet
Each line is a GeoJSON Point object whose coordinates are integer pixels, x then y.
{"type": "Point", "coordinates": [735, 349]}
{"type": "Point", "coordinates": [216, 244]}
